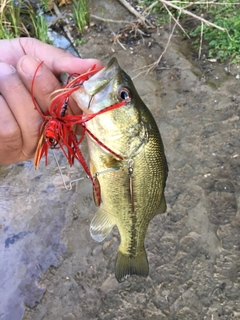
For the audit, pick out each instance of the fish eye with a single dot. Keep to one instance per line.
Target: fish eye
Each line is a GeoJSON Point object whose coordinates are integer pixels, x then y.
{"type": "Point", "coordinates": [124, 94]}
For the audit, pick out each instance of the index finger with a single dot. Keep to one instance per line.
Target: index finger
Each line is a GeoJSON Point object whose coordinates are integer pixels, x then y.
{"type": "Point", "coordinates": [57, 60]}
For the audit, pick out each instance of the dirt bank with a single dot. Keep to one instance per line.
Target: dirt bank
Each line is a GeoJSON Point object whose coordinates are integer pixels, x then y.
{"type": "Point", "coordinates": [193, 249]}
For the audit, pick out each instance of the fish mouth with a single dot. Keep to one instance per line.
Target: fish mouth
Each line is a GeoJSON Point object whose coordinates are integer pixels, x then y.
{"type": "Point", "coordinates": [99, 81]}
{"type": "Point", "coordinates": [101, 90]}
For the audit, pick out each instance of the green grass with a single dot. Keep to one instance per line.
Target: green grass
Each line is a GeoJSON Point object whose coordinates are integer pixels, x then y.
{"type": "Point", "coordinates": [79, 42]}
{"type": "Point", "coordinates": [223, 13]}
{"type": "Point", "coordinates": [11, 25]}
{"type": "Point", "coordinates": [40, 26]}
{"type": "Point", "coordinates": [81, 14]}
{"type": "Point", "coordinates": [16, 15]}
{"type": "Point", "coordinates": [222, 45]}
{"type": "Point", "coordinates": [45, 4]}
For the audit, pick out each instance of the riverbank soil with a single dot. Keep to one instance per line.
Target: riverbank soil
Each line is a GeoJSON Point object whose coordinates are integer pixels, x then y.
{"type": "Point", "coordinates": [53, 269]}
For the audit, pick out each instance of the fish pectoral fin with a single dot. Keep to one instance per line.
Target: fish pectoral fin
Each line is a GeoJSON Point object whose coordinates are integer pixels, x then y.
{"type": "Point", "coordinates": [163, 207]}
{"type": "Point", "coordinates": [127, 265]}
{"type": "Point", "coordinates": [100, 225]}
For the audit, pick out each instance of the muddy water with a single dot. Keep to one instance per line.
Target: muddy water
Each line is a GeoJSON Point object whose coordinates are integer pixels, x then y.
{"type": "Point", "coordinates": [52, 269]}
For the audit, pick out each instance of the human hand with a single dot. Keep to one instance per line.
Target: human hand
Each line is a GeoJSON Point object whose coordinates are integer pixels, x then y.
{"type": "Point", "coordinates": [19, 120]}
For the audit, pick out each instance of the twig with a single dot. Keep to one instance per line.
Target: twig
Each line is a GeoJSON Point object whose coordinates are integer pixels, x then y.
{"type": "Point", "coordinates": [134, 12]}
{"type": "Point", "coordinates": [153, 65]}
{"type": "Point", "coordinates": [58, 14]}
{"type": "Point", "coordinates": [110, 20]}
{"type": "Point", "coordinates": [201, 40]}
{"type": "Point", "coordinates": [171, 15]}
{"type": "Point", "coordinates": [147, 11]}
{"type": "Point", "coordinates": [121, 44]}
{"type": "Point", "coordinates": [168, 3]}
{"type": "Point", "coordinates": [208, 2]}
{"type": "Point", "coordinates": [115, 39]}
{"type": "Point", "coordinates": [165, 49]}
{"type": "Point", "coordinates": [65, 28]}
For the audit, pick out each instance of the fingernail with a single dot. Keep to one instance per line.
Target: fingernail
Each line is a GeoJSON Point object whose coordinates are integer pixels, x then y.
{"type": "Point", "coordinates": [29, 66]}
{"type": "Point", "coordinates": [6, 69]}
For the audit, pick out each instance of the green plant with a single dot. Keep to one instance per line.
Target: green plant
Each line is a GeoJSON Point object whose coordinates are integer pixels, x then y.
{"type": "Point", "coordinates": [222, 14]}
{"type": "Point", "coordinates": [163, 18]}
{"type": "Point", "coordinates": [81, 14]}
{"type": "Point", "coordinates": [222, 45]}
{"type": "Point", "coordinates": [11, 25]}
{"type": "Point", "coordinates": [40, 26]}
{"type": "Point", "coordinates": [79, 42]}
{"type": "Point", "coordinates": [45, 4]}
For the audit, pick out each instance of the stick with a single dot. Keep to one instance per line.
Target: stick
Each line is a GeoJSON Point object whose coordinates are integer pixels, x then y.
{"type": "Point", "coordinates": [65, 28]}
{"type": "Point", "coordinates": [153, 65]}
{"type": "Point", "coordinates": [148, 9]}
{"type": "Point", "coordinates": [168, 3]}
{"type": "Point", "coordinates": [165, 49]}
{"type": "Point", "coordinates": [171, 15]}
{"type": "Point", "coordinates": [135, 13]}
{"type": "Point", "coordinates": [208, 2]}
{"type": "Point", "coordinates": [110, 20]}
{"type": "Point", "coordinates": [201, 40]}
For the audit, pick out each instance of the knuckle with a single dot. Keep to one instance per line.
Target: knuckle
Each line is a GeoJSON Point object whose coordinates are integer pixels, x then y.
{"type": "Point", "coordinates": [47, 87]}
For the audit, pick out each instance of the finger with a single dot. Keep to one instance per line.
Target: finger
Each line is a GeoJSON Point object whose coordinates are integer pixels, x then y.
{"type": "Point", "coordinates": [19, 101]}
{"type": "Point", "coordinates": [10, 135]}
{"type": "Point", "coordinates": [57, 60]}
{"type": "Point", "coordinates": [45, 83]}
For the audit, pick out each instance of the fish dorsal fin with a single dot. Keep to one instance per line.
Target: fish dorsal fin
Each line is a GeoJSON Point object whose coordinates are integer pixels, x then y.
{"type": "Point", "coordinates": [100, 226]}
{"type": "Point", "coordinates": [127, 265]}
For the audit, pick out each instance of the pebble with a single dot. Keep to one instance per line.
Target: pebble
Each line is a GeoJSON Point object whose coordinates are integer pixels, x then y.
{"type": "Point", "coordinates": [69, 316]}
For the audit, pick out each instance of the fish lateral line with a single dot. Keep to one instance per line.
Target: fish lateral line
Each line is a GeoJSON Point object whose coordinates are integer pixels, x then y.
{"type": "Point", "coordinates": [131, 190]}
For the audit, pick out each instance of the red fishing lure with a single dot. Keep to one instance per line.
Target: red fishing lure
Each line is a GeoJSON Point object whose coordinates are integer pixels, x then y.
{"type": "Point", "coordinates": [57, 131]}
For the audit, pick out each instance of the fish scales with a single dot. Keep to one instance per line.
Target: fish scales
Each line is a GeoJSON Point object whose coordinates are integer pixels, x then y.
{"type": "Point", "coordinates": [132, 194]}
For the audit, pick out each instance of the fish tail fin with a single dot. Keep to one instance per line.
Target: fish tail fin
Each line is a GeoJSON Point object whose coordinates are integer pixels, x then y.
{"type": "Point", "coordinates": [127, 265]}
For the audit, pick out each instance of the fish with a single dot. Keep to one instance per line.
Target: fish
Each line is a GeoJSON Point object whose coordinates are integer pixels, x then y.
{"type": "Point", "coordinates": [129, 163]}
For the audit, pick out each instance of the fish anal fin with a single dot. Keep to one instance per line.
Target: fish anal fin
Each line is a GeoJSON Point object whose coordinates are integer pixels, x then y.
{"type": "Point", "coordinates": [128, 265]}
{"type": "Point", "coordinates": [100, 225]}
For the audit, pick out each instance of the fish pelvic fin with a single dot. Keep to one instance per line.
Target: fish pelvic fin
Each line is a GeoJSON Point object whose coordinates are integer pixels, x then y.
{"type": "Point", "coordinates": [127, 265]}
{"type": "Point", "coordinates": [100, 226]}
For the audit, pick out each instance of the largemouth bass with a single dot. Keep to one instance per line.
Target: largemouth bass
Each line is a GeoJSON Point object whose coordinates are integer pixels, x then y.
{"type": "Point", "coordinates": [134, 173]}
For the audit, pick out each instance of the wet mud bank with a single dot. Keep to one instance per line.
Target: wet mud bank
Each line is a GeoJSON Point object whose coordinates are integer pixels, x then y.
{"type": "Point", "coordinates": [52, 269]}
